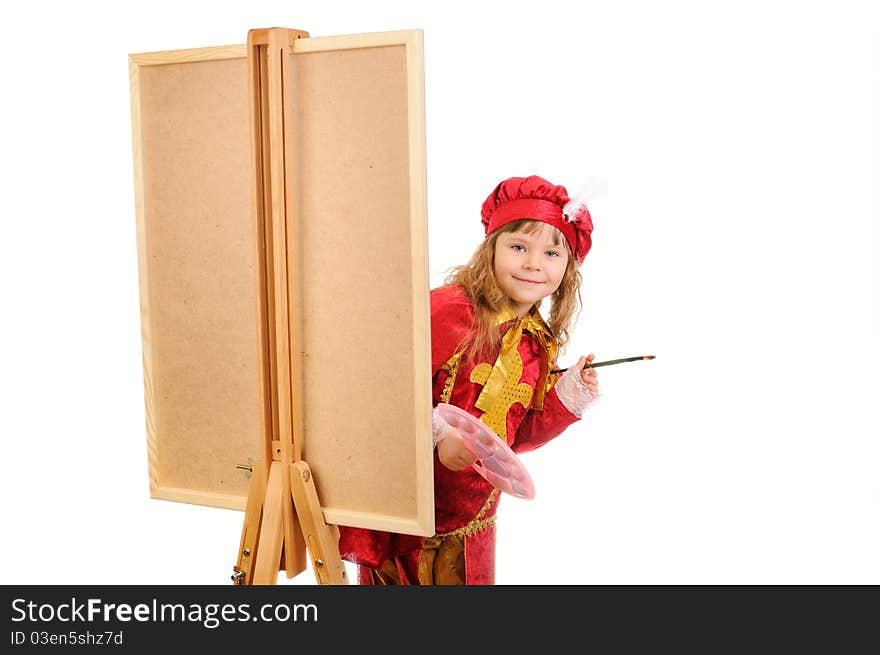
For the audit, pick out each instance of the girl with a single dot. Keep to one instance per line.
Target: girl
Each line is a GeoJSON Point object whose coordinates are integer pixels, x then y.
{"type": "Point", "coordinates": [492, 354]}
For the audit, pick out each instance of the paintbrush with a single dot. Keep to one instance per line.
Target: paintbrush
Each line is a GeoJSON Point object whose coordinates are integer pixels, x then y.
{"type": "Point", "coordinates": [609, 362]}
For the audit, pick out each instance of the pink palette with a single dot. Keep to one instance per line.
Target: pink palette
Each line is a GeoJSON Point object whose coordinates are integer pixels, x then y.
{"type": "Point", "coordinates": [496, 462]}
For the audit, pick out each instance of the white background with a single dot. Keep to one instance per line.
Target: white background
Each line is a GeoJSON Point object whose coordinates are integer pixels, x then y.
{"type": "Point", "coordinates": [737, 241]}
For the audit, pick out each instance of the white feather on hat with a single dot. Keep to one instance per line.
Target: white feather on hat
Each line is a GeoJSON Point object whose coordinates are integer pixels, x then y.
{"type": "Point", "coordinates": [591, 188]}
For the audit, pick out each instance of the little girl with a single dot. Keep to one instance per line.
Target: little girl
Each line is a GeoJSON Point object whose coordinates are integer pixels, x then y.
{"type": "Point", "coordinates": [491, 355]}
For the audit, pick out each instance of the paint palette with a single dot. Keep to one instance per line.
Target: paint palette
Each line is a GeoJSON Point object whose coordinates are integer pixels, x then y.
{"type": "Point", "coordinates": [496, 462]}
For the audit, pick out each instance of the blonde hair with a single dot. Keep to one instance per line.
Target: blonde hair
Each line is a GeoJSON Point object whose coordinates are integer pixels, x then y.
{"type": "Point", "coordinates": [477, 279]}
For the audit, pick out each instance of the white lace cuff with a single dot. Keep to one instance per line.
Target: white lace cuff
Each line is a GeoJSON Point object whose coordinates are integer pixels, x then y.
{"type": "Point", "coordinates": [574, 392]}
{"type": "Point", "coordinates": [440, 429]}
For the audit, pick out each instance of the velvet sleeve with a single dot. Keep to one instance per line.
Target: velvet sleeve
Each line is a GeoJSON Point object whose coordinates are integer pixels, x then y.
{"type": "Point", "coordinates": [539, 427]}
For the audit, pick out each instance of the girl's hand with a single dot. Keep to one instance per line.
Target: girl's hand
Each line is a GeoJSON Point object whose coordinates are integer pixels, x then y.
{"type": "Point", "coordinates": [589, 376]}
{"type": "Point", "coordinates": [578, 389]}
{"type": "Point", "coordinates": [452, 453]}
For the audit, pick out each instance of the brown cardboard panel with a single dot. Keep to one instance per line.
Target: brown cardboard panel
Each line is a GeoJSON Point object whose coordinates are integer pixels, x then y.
{"type": "Point", "coordinates": [351, 141]}
{"type": "Point", "coordinates": [199, 295]}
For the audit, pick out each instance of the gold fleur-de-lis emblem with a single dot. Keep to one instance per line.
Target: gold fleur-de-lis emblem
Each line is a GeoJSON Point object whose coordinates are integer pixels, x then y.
{"type": "Point", "coordinates": [501, 389]}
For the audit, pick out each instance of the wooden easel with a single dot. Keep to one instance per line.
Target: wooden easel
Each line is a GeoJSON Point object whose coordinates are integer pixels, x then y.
{"type": "Point", "coordinates": [283, 518]}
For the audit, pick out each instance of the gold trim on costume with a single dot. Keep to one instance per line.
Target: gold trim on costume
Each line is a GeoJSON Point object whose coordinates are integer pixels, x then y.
{"type": "Point", "coordinates": [477, 524]}
{"type": "Point", "coordinates": [451, 367]}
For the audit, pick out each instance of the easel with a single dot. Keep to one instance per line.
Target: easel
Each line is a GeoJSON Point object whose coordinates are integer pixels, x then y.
{"type": "Point", "coordinates": [283, 518]}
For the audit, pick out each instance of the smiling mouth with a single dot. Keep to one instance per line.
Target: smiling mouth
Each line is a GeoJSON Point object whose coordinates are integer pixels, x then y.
{"type": "Point", "coordinates": [527, 281]}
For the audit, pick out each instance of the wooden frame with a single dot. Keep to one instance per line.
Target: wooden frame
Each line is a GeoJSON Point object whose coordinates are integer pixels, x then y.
{"type": "Point", "coordinates": [370, 453]}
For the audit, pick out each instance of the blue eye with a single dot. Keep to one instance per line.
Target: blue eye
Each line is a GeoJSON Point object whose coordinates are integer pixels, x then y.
{"type": "Point", "coordinates": [516, 245]}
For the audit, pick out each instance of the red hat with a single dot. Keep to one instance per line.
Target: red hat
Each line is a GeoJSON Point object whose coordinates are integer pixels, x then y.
{"type": "Point", "coordinates": [537, 199]}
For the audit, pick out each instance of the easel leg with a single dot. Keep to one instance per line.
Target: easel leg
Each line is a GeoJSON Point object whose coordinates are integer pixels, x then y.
{"type": "Point", "coordinates": [294, 545]}
{"type": "Point", "coordinates": [247, 550]}
{"type": "Point", "coordinates": [321, 539]}
{"type": "Point", "coordinates": [271, 529]}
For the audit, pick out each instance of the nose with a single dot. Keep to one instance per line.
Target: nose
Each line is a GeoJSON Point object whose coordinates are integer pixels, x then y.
{"type": "Point", "coordinates": [533, 261]}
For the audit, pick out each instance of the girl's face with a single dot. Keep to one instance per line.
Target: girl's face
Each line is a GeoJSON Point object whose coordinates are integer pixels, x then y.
{"type": "Point", "coordinates": [529, 266]}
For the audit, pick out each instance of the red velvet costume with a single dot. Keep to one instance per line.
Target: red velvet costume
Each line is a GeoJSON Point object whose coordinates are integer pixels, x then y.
{"type": "Point", "coordinates": [464, 501]}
